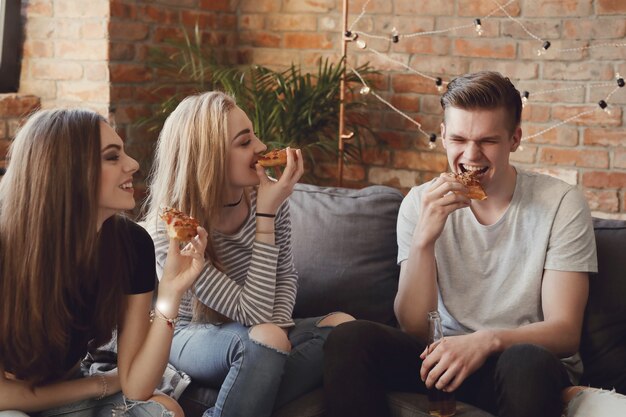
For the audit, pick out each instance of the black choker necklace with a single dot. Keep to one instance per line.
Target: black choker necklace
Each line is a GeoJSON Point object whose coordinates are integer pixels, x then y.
{"type": "Point", "coordinates": [235, 204]}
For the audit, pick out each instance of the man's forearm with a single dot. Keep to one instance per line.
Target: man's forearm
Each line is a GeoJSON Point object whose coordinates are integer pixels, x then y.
{"type": "Point", "coordinates": [417, 290]}
{"type": "Point", "coordinates": [559, 338]}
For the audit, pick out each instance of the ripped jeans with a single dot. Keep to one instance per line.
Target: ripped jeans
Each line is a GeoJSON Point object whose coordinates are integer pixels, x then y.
{"type": "Point", "coordinates": [594, 402]}
{"type": "Point", "coordinates": [114, 405]}
{"type": "Point", "coordinates": [252, 379]}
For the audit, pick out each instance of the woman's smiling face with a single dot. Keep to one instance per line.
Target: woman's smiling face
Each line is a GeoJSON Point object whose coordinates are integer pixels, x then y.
{"type": "Point", "coordinates": [116, 179]}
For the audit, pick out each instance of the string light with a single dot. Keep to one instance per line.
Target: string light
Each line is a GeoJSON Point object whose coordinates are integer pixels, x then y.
{"type": "Point", "coordinates": [391, 106]}
{"type": "Point", "coordinates": [544, 48]}
{"type": "Point", "coordinates": [439, 84]}
{"type": "Point", "coordinates": [604, 106]}
{"type": "Point", "coordinates": [432, 139]}
{"type": "Point", "coordinates": [395, 38]}
{"type": "Point", "coordinates": [525, 96]}
{"type": "Point", "coordinates": [432, 32]}
{"type": "Point", "coordinates": [360, 16]}
{"type": "Point", "coordinates": [599, 45]}
{"type": "Point", "coordinates": [477, 26]}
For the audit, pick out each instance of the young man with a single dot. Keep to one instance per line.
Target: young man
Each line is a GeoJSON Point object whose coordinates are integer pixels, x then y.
{"type": "Point", "coordinates": [508, 275]}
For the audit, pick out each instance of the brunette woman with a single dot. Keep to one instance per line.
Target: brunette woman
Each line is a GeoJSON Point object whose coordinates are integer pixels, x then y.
{"type": "Point", "coordinates": [72, 271]}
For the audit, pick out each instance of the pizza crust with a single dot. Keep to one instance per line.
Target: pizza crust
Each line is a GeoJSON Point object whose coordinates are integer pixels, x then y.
{"type": "Point", "coordinates": [178, 225]}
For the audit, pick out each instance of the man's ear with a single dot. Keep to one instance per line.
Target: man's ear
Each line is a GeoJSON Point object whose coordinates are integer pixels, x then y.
{"type": "Point", "coordinates": [516, 139]}
{"type": "Point", "coordinates": [443, 134]}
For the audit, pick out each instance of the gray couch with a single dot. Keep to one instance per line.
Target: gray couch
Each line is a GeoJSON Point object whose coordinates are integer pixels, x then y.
{"type": "Point", "coordinates": [344, 245]}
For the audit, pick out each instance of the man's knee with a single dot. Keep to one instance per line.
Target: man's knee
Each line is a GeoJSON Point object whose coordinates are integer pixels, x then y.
{"type": "Point", "coordinates": [270, 335]}
{"type": "Point", "coordinates": [529, 381]}
{"type": "Point", "coordinates": [529, 359]}
{"type": "Point", "coordinates": [357, 333]}
{"type": "Point", "coordinates": [335, 319]}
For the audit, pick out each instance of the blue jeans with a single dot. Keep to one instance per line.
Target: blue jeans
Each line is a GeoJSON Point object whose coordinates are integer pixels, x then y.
{"type": "Point", "coordinates": [252, 379]}
{"type": "Point", "coordinates": [106, 407]}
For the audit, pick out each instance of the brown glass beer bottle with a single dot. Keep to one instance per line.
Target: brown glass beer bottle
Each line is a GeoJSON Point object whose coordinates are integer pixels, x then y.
{"type": "Point", "coordinates": [440, 403]}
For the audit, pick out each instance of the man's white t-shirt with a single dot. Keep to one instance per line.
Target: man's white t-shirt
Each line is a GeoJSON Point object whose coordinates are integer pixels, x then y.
{"type": "Point", "coordinates": [490, 276]}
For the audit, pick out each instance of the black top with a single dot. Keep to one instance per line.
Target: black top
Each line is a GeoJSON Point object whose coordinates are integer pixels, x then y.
{"type": "Point", "coordinates": [143, 264]}
{"type": "Point", "coordinates": [139, 253]}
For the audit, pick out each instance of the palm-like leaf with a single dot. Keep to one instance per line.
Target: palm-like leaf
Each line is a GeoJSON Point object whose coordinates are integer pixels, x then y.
{"type": "Point", "coordinates": [287, 108]}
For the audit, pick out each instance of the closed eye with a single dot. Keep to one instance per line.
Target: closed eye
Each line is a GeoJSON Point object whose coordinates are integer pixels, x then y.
{"type": "Point", "coordinates": [112, 157]}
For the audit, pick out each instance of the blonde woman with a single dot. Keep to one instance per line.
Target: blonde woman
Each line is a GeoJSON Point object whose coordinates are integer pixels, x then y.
{"type": "Point", "coordinates": [237, 333]}
{"type": "Point", "coordinates": [71, 271]}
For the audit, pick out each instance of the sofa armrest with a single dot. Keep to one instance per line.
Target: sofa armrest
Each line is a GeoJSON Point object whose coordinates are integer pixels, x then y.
{"type": "Point", "coordinates": [603, 342]}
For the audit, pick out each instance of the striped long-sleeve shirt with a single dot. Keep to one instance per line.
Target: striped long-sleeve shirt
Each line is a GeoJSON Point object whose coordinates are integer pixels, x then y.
{"type": "Point", "coordinates": [259, 281]}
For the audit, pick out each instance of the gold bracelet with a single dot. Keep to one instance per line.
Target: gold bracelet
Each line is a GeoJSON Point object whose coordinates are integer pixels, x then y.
{"type": "Point", "coordinates": [105, 387]}
{"type": "Point", "coordinates": [264, 232]}
{"type": "Point", "coordinates": [156, 314]}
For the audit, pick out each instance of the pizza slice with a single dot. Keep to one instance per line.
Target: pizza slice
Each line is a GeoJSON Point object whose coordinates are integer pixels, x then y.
{"type": "Point", "coordinates": [179, 226]}
{"type": "Point", "coordinates": [475, 189]}
{"type": "Point", "coordinates": [276, 157]}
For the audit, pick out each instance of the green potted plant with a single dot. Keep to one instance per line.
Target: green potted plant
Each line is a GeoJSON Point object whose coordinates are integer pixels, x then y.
{"type": "Point", "coordinates": [287, 108]}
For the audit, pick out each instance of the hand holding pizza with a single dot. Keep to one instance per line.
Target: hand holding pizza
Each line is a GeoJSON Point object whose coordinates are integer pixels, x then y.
{"type": "Point", "coordinates": [444, 196]}
{"type": "Point", "coordinates": [182, 266]}
{"type": "Point", "coordinates": [272, 193]}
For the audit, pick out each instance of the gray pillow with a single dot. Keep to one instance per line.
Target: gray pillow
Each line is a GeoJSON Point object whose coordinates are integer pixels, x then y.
{"type": "Point", "coordinates": [345, 248]}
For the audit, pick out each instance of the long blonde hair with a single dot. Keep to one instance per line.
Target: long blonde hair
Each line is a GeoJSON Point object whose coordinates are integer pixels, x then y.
{"type": "Point", "coordinates": [49, 244]}
{"type": "Point", "coordinates": [189, 170]}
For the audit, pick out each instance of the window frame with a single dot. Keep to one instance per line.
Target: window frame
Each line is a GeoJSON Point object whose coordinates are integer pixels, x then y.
{"type": "Point", "coordinates": [10, 45]}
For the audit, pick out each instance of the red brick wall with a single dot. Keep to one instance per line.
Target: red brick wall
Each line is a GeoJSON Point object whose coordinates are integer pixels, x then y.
{"type": "Point", "coordinates": [66, 53]}
{"type": "Point", "coordinates": [135, 27]}
{"type": "Point", "coordinates": [66, 64]}
{"type": "Point", "coordinates": [590, 152]}
{"type": "Point", "coordinates": [13, 109]}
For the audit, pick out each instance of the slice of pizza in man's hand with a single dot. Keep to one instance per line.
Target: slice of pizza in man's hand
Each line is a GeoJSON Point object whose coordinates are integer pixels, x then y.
{"type": "Point", "coordinates": [179, 226]}
{"type": "Point", "coordinates": [475, 189]}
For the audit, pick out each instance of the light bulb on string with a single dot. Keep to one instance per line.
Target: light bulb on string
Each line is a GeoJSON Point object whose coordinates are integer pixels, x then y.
{"type": "Point", "coordinates": [361, 44]}
{"type": "Point", "coordinates": [544, 48]}
{"type": "Point", "coordinates": [395, 37]}
{"type": "Point", "coordinates": [478, 27]}
{"type": "Point", "coordinates": [439, 84]}
{"type": "Point", "coordinates": [619, 80]}
{"type": "Point", "coordinates": [432, 139]}
{"type": "Point", "coordinates": [605, 107]}
{"type": "Point", "coordinates": [365, 90]}
{"type": "Point", "coordinates": [525, 96]}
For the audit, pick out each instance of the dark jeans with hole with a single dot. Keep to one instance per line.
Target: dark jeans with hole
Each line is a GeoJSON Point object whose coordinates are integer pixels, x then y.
{"type": "Point", "coordinates": [365, 360]}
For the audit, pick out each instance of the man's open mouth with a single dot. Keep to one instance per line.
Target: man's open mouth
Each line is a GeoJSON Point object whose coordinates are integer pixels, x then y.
{"type": "Point", "coordinates": [476, 170]}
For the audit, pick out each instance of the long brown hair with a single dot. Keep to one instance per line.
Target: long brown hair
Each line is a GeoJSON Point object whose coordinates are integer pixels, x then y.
{"type": "Point", "coordinates": [49, 244]}
{"type": "Point", "coordinates": [189, 170]}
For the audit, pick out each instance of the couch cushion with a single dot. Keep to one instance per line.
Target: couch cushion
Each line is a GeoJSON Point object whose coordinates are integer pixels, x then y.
{"type": "Point", "coordinates": [344, 248]}
{"type": "Point", "coordinates": [603, 343]}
